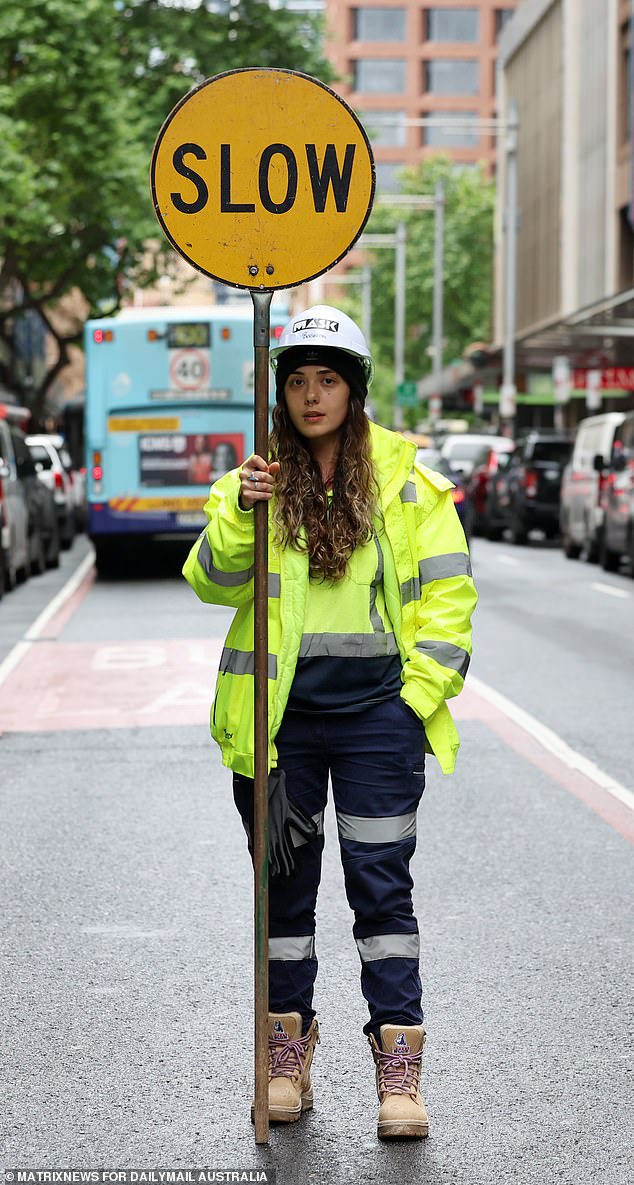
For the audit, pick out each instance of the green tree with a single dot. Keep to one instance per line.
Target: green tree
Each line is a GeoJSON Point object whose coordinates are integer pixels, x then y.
{"type": "Point", "coordinates": [84, 89]}
{"type": "Point", "coordinates": [468, 273]}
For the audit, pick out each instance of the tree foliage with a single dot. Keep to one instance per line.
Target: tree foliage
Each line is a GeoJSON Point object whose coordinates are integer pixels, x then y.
{"type": "Point", "coordinates": [468, 273]}
{"type": "Point", "coordinates": [84, 89]}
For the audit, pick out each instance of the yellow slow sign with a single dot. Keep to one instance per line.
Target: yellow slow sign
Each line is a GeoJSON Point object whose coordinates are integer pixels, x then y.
{"type": "Point", "coordinates": [262, 178]}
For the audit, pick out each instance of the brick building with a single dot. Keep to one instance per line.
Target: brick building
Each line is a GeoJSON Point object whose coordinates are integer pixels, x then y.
{"type": "Point", "coordinates": [407, 61]}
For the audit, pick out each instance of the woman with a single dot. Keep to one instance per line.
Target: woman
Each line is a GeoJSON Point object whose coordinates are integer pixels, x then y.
{"type": "Point", "coordinates": [370, 599]}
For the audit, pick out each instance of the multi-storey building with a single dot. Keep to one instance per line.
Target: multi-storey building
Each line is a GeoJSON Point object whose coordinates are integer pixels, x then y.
{"type": "Point", "coordinates": [566, 65]}
{"type": "Point", "coordinates": [421, 75]}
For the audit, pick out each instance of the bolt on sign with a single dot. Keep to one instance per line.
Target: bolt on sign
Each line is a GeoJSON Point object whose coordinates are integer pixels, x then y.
{"type": "Point", "coordinates": [262, 178]}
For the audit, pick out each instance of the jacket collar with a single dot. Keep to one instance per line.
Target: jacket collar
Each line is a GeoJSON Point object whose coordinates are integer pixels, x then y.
{"type": "Point", "coordinates": [393, 458]}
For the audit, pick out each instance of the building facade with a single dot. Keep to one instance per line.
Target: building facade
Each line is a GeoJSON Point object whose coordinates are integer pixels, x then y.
{"type": "Point", "coordinates": [422, 76]}
{"type": "Point", "coordinates": [566, 65]}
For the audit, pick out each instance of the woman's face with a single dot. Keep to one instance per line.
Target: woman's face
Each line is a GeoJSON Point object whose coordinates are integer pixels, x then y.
{"type": "Point", "coordinates": [317, 400]}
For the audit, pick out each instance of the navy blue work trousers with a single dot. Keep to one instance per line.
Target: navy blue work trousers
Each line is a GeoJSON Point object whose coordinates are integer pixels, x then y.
{"type": "Point", "coordinates": [375, 759]}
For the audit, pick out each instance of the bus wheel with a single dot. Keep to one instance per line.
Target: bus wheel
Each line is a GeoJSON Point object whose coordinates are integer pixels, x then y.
{"type": "Point", "coordinates": [104, 557]}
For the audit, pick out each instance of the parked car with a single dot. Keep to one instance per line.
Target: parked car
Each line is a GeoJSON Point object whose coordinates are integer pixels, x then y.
{"type": "Point", "coordinates": [529, 488]}
{"type": "Point", "coordinates": [53, 466]}
{"type": "Point", "coordinates": [583, 485]}
{"type": "Point", "coordinates": [44, 538]}
{"type": "Point", "coordinates": [460, 450]}
{"type": "Point", "coordinates": [429, 457]}
{"type": "Point", "coordinates": [487, 465]}
{"type": "Point", "coordinates": [433, 460]}
{"type": "Point", "coordinates": [14, 511]}
{"type": "Point", "coordinates": [617, 500]}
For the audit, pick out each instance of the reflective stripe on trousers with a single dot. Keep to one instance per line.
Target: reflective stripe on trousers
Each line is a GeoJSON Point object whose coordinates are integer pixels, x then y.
{"type": "Point", "coordinates": [375, 760]}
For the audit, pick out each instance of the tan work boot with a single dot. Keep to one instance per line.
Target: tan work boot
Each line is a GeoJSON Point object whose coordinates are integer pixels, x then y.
{"type": "Point", "coordinates": [290, 1057]}
{"type": "Point", "coordinates": [398, 1060]}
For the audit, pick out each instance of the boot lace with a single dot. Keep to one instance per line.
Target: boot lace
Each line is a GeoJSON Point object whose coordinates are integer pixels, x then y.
{"type": "Point", "coordinates": [287, 1058]}
{"type": "Point", "coordinates": [398, 1073]}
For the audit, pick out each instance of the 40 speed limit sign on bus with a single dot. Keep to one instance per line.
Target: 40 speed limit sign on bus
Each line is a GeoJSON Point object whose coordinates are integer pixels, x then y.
{"type": "Point", "coordinates": [262, 178]}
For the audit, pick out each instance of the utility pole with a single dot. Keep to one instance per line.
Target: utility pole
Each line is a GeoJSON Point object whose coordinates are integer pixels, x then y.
{"type": "Point", "coordinates": [509, 390]}
{"type": "Point", "coordinates": [399, 318]}
{"type": "Point", "coordinates": [435, 403]}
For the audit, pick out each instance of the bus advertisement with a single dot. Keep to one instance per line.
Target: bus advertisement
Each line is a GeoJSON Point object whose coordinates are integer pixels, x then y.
{"type": "Point", "coordinates": [169, 409]}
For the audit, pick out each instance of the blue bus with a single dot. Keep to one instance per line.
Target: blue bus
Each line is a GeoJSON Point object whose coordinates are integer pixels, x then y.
{"type": "Point", "coordinates": [169, 409]}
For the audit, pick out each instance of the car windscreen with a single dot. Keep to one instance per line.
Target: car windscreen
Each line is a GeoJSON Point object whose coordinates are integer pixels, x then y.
{"type": "Point", "coordinates": [41, 456]}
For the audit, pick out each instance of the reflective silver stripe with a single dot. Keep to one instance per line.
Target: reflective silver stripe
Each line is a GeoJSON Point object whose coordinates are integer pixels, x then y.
{"type": "Point", "coordinates": [298, 839]}
{"type": "Point", "coordinates": [390, 829]}
{"type": "Point", "coordinates": [443, 567]}
{"type": "Point", "coordinates": [274, 584]}
{"type": "Point", "coordinates": [227, 579]}
{"type": "Point", "coordinates": [375, 617]}
{"type": "Point", "coordinates": [242, 662]}
{"type": "Point", "coordinates": [292, 950]}
{"type": "Point", "coordinates": [389, 946]}
{"type": "Point", "coordinates": [447, 655]}
{"type": "Point", "coordinates": [410, 591]}
{"type": "Point", "coordinates": [347, 645]}
{"type": "Point", "coordinates": [408, 493]}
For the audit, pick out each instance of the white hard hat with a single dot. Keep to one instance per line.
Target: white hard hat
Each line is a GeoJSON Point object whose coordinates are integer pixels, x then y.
{"type": "Point", "coordinates": [324, 326]}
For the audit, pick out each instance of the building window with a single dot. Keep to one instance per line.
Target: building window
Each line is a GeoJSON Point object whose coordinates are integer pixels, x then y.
{"type": "Point", "coordinates": [379, 24]}
{"type": "Point", "coordinates": [502, 17]}
{"type": "Point", "coordinates": [451, 129]}
{"type": "Point", "coordinates": [388, 177]}
{"type": "Point", "coordinates": [453, 24]}
{"type": "Point", "coordinates": [386, 129]}
{"type": "Point", "coordinates": [449, 76]}
{"type": "Point", "coordinates": [380, 76]}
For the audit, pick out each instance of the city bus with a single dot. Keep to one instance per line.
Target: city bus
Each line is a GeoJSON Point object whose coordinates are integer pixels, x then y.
{"type": "Point", "coordinates": [169, 409]}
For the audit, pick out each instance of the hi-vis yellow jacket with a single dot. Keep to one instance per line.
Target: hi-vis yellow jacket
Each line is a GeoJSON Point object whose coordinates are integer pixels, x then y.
{"type": "Point", "coordinates": [429, 595]}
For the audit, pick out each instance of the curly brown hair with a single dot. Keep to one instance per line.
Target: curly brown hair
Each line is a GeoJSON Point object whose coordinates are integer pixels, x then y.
{"type": "Point", "coordinates": [332, 526]}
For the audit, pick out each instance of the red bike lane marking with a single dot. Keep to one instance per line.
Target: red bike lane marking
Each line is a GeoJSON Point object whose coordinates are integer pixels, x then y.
{"type": "Point", "coordinates": [471, 706]}
{"type": "Point", "coordinates": [51, 686]}
{"type": "Point", "coordinates": [75, 686]}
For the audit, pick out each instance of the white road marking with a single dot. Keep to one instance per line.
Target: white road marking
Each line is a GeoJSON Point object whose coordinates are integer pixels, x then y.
{"type": "Point", "coordinates": [610, 589]}
{"type": "Point", "coordinates": [15, 656]}
{"type": "Point", "coordinates": [508, 559]}
{"type": "Point", "coordinates": [553, 743]}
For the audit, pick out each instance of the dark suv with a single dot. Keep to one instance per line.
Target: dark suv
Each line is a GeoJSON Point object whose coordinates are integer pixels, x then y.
{"type": "Point", "coordinates": [526, 493]}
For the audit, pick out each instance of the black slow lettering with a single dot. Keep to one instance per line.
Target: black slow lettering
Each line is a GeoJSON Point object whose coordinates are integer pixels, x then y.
{"type": "Point", "coordinates": [185, 171]}
{"type": "Point", "coordinates": [226, 204]}
{"type": "Point", "coordinates": [330, 174]}
{"type": "Point", "coordinates": [263, 178]}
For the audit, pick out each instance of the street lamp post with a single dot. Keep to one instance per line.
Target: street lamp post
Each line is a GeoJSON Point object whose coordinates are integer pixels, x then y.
{"type": "Point", "coordinates": [508, 392]}
{"type": "Point", "coordinates": [492, 127]}
{"type": "Point", "coordinates": [435, 409]}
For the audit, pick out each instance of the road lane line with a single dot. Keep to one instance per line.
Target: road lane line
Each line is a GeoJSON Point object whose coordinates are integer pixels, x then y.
{"type": "Point", "coordinates": [610, 589]}
{"type": "Point", "coordinates": [553, 743]}
{"type": "Point", "coordinates": [55, 606]}
{"type": "Point", "coordinates": [508, 559]}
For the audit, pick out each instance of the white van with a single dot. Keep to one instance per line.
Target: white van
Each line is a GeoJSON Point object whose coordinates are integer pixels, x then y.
{"type": "Point", "coordinates": [581, 513]}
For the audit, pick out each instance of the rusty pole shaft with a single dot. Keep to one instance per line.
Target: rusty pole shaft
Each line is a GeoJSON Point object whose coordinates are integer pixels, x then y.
{"type": "Point", "coordinates": [261, 334]}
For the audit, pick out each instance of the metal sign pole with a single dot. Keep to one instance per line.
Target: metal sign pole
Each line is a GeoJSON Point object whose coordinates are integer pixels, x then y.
{"type": "Point", "coordinates": [261, 335]}
{"type": "Point", "coordinates": [245, 119]}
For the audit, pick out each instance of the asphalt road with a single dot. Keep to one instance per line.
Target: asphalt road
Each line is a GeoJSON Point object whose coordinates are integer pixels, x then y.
{"type": "Point", "coordinates": [126, 888]}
